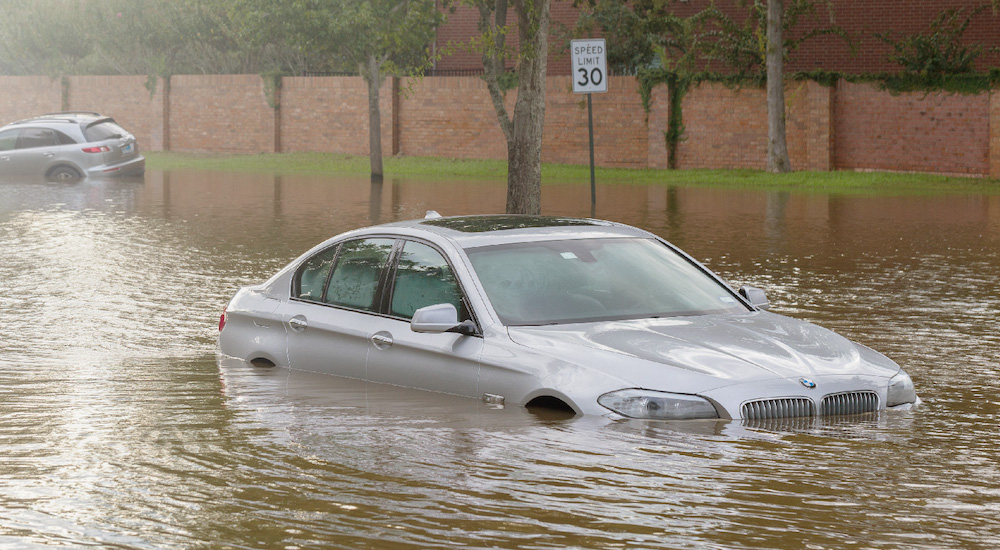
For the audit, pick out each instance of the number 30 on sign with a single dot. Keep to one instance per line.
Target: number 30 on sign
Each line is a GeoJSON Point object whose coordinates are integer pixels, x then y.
{"type": "Point", "coordinates": [590, 66]}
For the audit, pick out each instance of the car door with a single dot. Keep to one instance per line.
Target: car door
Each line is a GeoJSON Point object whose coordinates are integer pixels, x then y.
{"type": "Point", "coordinates": [8, 143]}
{"type": "Point", "coordinates": [36, 149]}
{"type": "Point", "coordinates": [334, 297]}
{"type": "Point", "coordinates": [446, 362]}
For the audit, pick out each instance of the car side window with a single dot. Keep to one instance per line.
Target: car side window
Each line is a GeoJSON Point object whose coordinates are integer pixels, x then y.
{"type": "Point", "coordinates": [63, 138]}
{"type": "Point", "coordinates": [424, 278]}
{"type": "Point", "coordinates": [37, 137]}
{"type": "Point", "coordinates": [355, 277]}
{"type": "Point", "coordinates": [310, 281]}
{"type": "Point", "coordinates": [8, 139]}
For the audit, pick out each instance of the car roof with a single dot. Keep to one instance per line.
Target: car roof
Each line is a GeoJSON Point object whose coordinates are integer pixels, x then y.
{"type": "Point", "coordinates": [486, 230]}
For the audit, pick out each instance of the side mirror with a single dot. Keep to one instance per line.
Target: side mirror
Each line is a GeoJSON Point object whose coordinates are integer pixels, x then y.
{"type": "Point", "coordinates": [440, 318]}
{"type": "Point", "coordinates": [755, 296]}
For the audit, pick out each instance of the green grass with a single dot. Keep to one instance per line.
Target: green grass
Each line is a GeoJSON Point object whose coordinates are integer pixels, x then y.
{"type": "Point", "coordinates": [421, 168]}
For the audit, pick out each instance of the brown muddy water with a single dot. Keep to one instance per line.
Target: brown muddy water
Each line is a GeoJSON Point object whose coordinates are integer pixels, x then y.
{"type": "Point", "coordinates": [119, 428]}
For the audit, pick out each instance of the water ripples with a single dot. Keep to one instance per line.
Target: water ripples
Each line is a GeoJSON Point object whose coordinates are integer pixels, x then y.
{"type": "Point", "coordinates": [120, 428]}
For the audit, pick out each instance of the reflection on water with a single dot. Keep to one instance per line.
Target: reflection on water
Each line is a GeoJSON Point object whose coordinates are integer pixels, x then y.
{"type": "Point", "coordinates": [119, 428]}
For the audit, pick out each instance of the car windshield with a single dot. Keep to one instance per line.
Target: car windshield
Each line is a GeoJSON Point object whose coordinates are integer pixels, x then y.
{"type": "Point", "coordinates": [571, 281]}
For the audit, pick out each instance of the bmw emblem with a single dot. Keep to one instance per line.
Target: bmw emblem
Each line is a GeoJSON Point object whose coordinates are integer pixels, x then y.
{"type": "Point", "coordinates": [807, 383]}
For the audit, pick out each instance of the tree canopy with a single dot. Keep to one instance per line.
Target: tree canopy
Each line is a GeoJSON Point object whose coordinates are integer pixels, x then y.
{"type": "Point", "coordinates": [164, 37]}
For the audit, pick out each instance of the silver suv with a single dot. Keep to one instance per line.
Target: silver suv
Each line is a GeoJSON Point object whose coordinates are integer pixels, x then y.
{"type": "Point", "coordinates": [69, 145]}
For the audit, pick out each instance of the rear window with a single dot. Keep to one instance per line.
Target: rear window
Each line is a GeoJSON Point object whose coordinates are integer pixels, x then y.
{"type": "Point", "coordinates": [104, 130]}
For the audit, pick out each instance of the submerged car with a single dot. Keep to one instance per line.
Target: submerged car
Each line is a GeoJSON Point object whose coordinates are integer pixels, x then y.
{"type": "Point", "coordinates": [588, 316]}
{"type": "Point", "coordinates": [67, 146]}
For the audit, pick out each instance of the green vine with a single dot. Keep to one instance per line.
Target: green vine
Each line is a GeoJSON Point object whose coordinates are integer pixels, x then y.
{"type": "Point", "coordinates": [677, 84]}
{"type": "Point", "coordinates": [151, 81]}
{"type": "Point", "coordinates": [272, 85]}
{"type": "Point", "coordinates": [896, 83]}
{"type": "Point", "coordinates": [65, 93]}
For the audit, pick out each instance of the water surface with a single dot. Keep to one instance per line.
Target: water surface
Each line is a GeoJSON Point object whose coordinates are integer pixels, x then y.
{"type": "Point", "coordinates": [120, 428]}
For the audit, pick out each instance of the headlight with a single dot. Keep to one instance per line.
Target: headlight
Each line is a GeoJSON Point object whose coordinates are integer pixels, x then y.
{"type": "Point", "coordinates": [655, 405]}
{"type": "Point", "coordinates": [901, 390]}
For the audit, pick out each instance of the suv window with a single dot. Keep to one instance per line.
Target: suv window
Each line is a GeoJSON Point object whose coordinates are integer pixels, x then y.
{"type": "Point", "coordinates": [63, 138]}
{"type": "Point", "coordinates": [8, 139]}
{"type": "Point", "coordinates": [424, 278]}
{"type": "Point", "coordinates": [103, 131]}
{"type": "Point", "coordinates": [37, 137]}
{"type": "Point", "coordinates": [356, 275]}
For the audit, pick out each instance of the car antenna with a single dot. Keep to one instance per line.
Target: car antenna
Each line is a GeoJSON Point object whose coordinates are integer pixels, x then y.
{"type": "Point", "coordinates": [431, 215]}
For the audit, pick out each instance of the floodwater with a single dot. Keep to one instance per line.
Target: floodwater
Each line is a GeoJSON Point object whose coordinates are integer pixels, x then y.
{"type": "Point", "coordinates": [120, 428]}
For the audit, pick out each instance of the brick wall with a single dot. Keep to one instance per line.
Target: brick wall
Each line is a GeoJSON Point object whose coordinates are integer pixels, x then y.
{"type": "Point", "coordinates": [940, 132]}
{"type": "Point", "coordinates": [452, 117]}
{"type": "Point", "coordinates": [224, 113]}
{"type": "Point", "coordinates": [994, 146]}
{"type": "Point", "coordinates": [727, 128]}
{"type": "Point", "coordinates": [621, 136]}
{"type": "Point", "coordinates": [25, 96]}
{"type": "Point", "coordinates": [330, 114]}
{"type": "Point", "coordinates": [124, 98]}
{"type": "Point", "coordinates": [851, 126]}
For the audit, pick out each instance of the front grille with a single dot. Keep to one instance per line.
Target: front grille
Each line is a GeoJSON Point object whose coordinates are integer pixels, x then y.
{"type": "Point", "coordinates": [835, 404]}
{"type": "Point", "coordinates": [849, 403]}
{"type": "Point", "coordinates": [788, 407]}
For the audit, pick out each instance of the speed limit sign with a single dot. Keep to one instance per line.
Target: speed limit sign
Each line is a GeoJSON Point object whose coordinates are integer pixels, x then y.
{"type": "Point", "coordinates": [590, 66]}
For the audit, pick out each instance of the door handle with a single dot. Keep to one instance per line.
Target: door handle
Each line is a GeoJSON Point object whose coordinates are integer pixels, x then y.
{"type": "Point", "coordinates": [48, 155]}
{"type": "Point", "coordinates": [381, 340]}
{"type": "Point", "coordinates": [298, 323]}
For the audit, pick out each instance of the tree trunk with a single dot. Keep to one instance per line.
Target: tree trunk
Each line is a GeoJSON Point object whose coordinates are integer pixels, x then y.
{"type": "Point", "coordinates": [524, 145]}
{"type": "Point", "coordinates": [523, 129]}
{"type": "Point", "coordinates": [777, 147]}
{"type": "Point", "coordinates": [373, 79]}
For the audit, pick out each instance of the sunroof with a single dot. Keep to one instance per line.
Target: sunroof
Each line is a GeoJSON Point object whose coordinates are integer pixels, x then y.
{"type": "Point", "coordinates": [481, 224]}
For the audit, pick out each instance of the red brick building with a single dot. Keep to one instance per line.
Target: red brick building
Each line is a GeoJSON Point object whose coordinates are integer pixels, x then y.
{"type": "Point", "coordinates": [861, 19]}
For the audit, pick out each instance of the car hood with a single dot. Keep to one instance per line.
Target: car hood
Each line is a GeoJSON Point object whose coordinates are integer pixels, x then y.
{"type": "Point", "coordinates": [700, 353]}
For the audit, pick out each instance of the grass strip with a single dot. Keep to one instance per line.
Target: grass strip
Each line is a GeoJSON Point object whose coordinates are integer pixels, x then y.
{"type": "Point", "coordinates": [496, 170]}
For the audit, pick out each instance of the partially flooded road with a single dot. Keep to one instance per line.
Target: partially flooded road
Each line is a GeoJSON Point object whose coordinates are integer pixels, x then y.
{"type": "Point", "coordinates": [119, 428]}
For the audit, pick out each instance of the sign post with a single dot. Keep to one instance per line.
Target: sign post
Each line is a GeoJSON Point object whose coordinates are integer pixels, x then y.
{"type": "Point", "coordinates": [590, 76]}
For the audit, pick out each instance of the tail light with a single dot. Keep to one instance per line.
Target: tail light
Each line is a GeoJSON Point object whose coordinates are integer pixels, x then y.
{"type": "Point", "coordinates": [100, 149]}
{"type": "Point", "coordinates": [222, 320]}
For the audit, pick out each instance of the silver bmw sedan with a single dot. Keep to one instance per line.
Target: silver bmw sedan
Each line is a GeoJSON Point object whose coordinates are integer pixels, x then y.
{"type": "Point", "coordinates": [581, 315]}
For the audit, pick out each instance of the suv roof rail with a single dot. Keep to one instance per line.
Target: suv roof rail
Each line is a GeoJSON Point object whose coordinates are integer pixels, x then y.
{"type": "Point", "coordinates": [72, 113]}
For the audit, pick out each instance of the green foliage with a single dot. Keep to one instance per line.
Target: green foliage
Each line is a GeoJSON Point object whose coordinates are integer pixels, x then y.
{"type": "Point", "coordinates": [630, 44]}
{"type": "Point", "coordinates": [646, 38]}
{"type": "Point", "coordinates": [972, 83]}
{"type": "Point", "coordinates": [166, 37]}
{"type": "Point", "coordinates": [939, 52]}
{"type": "Point", "coordinates": [272, 83]}
{"type": "Point", "coordinates": [47, 37]}
{"type": "Point", "coordinates": [740, 47]}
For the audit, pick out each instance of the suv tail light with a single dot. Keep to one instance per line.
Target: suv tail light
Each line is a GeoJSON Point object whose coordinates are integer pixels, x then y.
{"type": "Point", "coordinates": [222, 320]}
{"type": "Point", "coordinates": [101, 149]}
